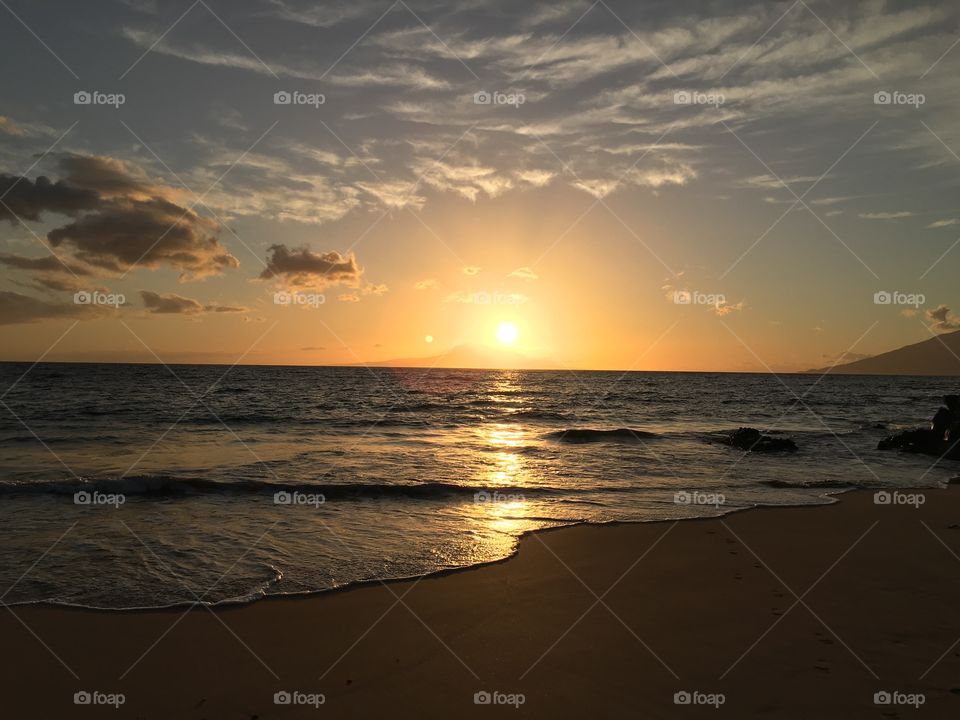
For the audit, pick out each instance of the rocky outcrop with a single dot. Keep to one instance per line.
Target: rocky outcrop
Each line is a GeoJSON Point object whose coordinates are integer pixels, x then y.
{"type": "Point", "coordinates": [941, 439]}
{"type": "Point", "coordinates": [752, 440]}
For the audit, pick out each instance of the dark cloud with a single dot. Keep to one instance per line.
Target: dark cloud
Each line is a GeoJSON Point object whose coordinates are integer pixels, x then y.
{"type": "Point", "coordinates": [28, 199]}
{"type": "Point", "coordinates": [61, 282]}
{"type": "Point", "coordinates": [943, 319]}
{"type": "Point", "coordinates": [50, 272]}
{"type": "Point", "coordinates": [49, 263]}
{"type": "Point", "coordinates": [120, 219]}
{"type": "Point", "coordinates": [107, 176]}
{"type": "Point", "coordinates": [16, 309]}
{"type": "Point", "coordinates": [174, 304]}
{"type": "Point", "coordinates": [301, 267]}
{"type": "Point", "coordinates": [148, 233]}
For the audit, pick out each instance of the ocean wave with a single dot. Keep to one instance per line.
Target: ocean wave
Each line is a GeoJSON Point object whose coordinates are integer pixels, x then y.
{"type": "Point", "coordinates": [166, 485]}
{"type": "Point", "coordinates": [588, 435]}
{"type": "Point", "coordinates": [837, 484]}
{"type": "Point", "coordinates": [545, 415]}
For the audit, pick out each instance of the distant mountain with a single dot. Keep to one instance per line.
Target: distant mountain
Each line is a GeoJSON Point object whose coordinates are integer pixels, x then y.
{"type": "Point", "coordinates": [471, 356]}
{"type": "Point", "coordinates": [937, 356]}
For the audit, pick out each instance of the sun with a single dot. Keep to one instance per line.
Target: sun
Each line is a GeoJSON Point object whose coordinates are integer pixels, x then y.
{"type": "Point", "coordinates": [507, 333]}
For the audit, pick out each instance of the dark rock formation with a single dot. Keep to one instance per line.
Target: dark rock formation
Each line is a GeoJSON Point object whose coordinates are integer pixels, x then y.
{"type": "Point", "coordinates": [941, 439]}
{"type": "Point", "coordinates": [752, 440]}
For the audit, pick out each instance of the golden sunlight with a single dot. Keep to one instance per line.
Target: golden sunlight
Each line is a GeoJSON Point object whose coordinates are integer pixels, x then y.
{"type": "Point", "coordinates": [507, 333]}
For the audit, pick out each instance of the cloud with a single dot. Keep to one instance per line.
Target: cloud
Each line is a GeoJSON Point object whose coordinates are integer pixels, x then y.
{"type": "Point", "coordinates": [322, 16]}
{"type": "Point", "coordinates": [51, 272]}
{"type": "Point", "coordinates": [146, 233]}
{"type": "Point", "coordinates": [428, 284]}
{"type": "Point", "coordinates": [120, 219]}
{"type": "Point", "coordinates": [9, 127]}
{"type": "Point", "coordinates": [467, 179]}
{"type": "Point", "coordinates": [109, 177]}
{"type": "Point", "coordinates": [303, 268]}
{"type": "Point", "coordinates": [599, 188]}
{"type": "Point", "coordinates": [49, 263]}
{"type": "Point", "coordinates": [722, 308]}
{"type": "Point", "coordinates": [171, 303]}
{"type": "Point", "coordinates": [28, 199]}
{"type": "Point", "coordinates": [537, 178]}
{"type": "Point", "coordinates": [374, 289]}
{"type": "Point", "coordinates": [62, 282]}
{"type": "Point", "coordinates": [16, 309]}
{"type": "Point", "coordinates": [524, 273]}
{"type": "Point", "coordinates": [389, 74]}
{"type": "Point", "coordinates": [944, 223]}
{"type": "Point", "coordinates": [943, 319]}
{"type": "Point", "coordinates": [769, 182]}
{"type": "Point", "coordinates": [395, 194]}
{"type": "Point", "coordinates": [886, 215]}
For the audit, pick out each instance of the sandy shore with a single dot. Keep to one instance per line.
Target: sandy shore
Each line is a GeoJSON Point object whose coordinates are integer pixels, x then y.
{"type": "Point", "coordinates": [707, 606]}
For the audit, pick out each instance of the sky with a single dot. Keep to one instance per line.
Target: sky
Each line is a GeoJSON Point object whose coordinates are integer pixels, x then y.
{"type": "Point", "coordinates": [646, 185]}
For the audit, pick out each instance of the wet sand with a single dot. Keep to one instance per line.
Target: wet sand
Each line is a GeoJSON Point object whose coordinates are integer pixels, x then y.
{"type": "Point", "coordinates": [780, 613]}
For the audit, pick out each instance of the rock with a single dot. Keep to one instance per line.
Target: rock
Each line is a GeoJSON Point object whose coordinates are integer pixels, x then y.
{"type": "Point", "coordinates": [952, 440]}
{"type": "Point", "coordinates": [941, 439]}
{"type": "Point", "coordinates": [941, 422]}
{"type": "Point", "coordinates": [920, 440]}
{"type": "Point", "coordinates": [752, 440]}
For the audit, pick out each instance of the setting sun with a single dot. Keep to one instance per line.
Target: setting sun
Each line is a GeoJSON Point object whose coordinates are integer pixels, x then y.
{"type": "Point", "coordinates": [507, 333]}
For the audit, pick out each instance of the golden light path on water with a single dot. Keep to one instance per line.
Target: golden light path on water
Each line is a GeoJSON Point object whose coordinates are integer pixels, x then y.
{"type": "Point", "coordinates": [503, 506]}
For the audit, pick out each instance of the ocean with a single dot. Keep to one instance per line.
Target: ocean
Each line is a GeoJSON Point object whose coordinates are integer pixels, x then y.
{"type": "Point", "coordinates": [135, 486]}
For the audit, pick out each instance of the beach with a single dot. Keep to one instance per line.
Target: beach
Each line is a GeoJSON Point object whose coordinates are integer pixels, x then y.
{"type": "Point", "coordinates": [791, 612]}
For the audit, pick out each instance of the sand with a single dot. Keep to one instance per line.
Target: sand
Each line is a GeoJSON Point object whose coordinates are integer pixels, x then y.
{"type": "Point", "coordinates": [588, 621]}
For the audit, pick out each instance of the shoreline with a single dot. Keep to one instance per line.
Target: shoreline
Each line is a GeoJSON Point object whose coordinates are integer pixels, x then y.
{"type": "Point", "coordinates": [679, 603]}
{"type": "Point", "coordinates": [830, 495]}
